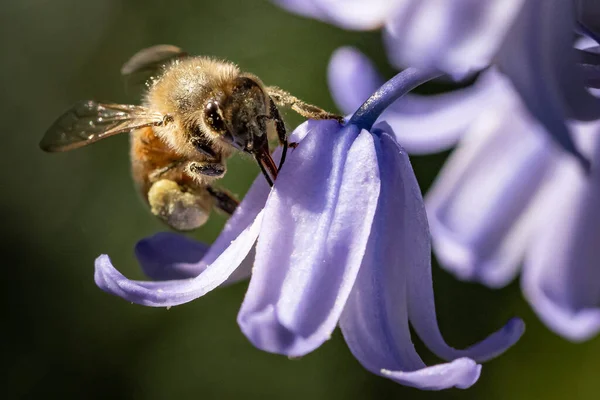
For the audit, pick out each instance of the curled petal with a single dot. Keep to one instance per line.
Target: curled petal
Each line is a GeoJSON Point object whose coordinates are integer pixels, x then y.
{"type": "Point", "coordinates": [458, 37]}
{"type": "Point", "coordinates": [540, 60]}
{"type": "Point", "coordinates": [561, 278]}
{"type": "Point", "coordinates": [375, 319]}
{"type": "Point", "coordinates": [421, 305]}
{"type": "Point", "coordinates": [348, 14]}
{"type": "Point", "coordinates": [478, 206]}
{"type": "Point", "coordinates": [167, 256]}
{"type": "Point", "coordinates": [175, 292]}
{"type": "Point", "coordinates": [310, 251]}
{"type": "Point", "coordinates": [461, 373]}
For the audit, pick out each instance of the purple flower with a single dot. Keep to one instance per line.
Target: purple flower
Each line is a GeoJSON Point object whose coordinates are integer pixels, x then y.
{"type": "Point", "coordinates": [341, 238]}
{"type": "Point", "coordinates": [529, 40]}
{"type": "Point", "coordinates": [506, 197]}
{"type": "Point", "coordinates": [349, 14]}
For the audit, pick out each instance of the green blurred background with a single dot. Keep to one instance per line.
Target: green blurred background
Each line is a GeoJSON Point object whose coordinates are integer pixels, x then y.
{"type": "Point", "coordinates": [64, 338]}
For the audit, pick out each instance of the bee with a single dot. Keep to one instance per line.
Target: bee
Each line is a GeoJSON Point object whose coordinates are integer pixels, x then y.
{"type": "Point", "coordinates": [196, 112]}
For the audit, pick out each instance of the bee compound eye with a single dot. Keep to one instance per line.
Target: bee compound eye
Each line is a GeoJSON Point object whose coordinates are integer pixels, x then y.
{"type": "Point", "coordinates": [212, 115]}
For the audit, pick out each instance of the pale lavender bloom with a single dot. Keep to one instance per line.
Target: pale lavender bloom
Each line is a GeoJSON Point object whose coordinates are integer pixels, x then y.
{"type": "Point", "coordinates": [341, 238]}
{"type": "Point", "coordinates": [529, 40]}
{"type": "Point", "coordinates": [349, 14]}
{"type": "Point", "coordinates": [508, 198]}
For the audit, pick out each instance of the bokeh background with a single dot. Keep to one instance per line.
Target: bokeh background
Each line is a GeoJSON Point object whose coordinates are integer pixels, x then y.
{"type": "Point", "coordinates": [64, 338]}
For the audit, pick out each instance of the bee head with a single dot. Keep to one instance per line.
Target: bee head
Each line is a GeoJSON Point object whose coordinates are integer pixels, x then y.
{"type": "Point", "coordinates": [239, 120]}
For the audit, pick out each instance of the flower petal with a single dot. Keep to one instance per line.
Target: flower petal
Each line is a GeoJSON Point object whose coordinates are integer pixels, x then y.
{"type": "Point", "coordinates": [561, 278]}
{"type": "Point", "coordinates": [425, 124]}
{"type": "Point", "coordinates": [375, 319]}
{"type": "Point", "coordinates": [421, 305]}
{"type": "Point", "coordinates": [348, 14]}
{"type": "Point", "coordinates": [175, 292]}
{"type": "Point", "coordinates": [458, 37]}
{"type": "Point", "coordinates": [430, 124]}
{"type": "Point", "coordinates": [305, 8]}
{"type": "Point", "coordinates": [310, 250]}
{"type": "Point", "coordinates": [461, 373]}
{"type": "Point", "coordinates": [167, 256]}
{"type": "Point", "coordinates": [477, 207]}
{"type": "Point", "coordinates": [540, 60]}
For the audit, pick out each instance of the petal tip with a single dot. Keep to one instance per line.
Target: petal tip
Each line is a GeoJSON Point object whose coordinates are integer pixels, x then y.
{"type": "Point", "coordinates": [461, 373]}
{"type": "Point", "coordinates": [515, 327]}
{"type": "Point", "coordinates": [102, 266]}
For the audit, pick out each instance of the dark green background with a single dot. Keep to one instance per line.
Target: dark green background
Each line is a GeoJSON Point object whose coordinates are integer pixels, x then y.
{"type": "Point", "coordinates": [64, 338]}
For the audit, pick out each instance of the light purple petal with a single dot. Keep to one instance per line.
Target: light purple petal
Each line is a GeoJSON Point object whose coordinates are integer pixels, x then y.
{"type": "Point", "coordinates": [423, 124]}
{"type": "Point", "coordinates": [375, 319]}
{"type": "Point", "coordinates": [461, 373]}
{"type": "Point", "coordinates": [430, 124]}
{"type": "Point", "coordinates": [458, 37]}
{"type": "Point", "coordinates": [175, 292]}
{"type": "Point", "coordinates": [317, 222]}
{"type": "Point", "coordinates": [413, 254]}
{"type": "Point", "coordinates": [540, 60]}
{"type": "Point", "coordinates": [167, 256]}
{"type": "Point", "coordinates": [478, 205]}
{"type": "Point", "coordinates": [305, 8]}
{"type": "Point", "coordinates": [561, 276]}
{"type": "Point", "coordinates": [348, 14]}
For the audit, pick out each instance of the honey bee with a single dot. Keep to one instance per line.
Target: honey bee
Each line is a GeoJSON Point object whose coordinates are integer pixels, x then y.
{"type": "Point", "coordinates": [195, 113]}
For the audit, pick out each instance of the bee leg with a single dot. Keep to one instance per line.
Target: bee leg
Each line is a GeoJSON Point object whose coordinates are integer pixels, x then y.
{"type": "Point", "coordinates": [215, 169]}
{"type": "Point", "coordinates": [161, 172]}
{"type": "Point", "coordinates": [224, 200]}
{"type": "Point", "coordinates": [285, 99]}
{"type": "Point", "coordinates": [281, 132]}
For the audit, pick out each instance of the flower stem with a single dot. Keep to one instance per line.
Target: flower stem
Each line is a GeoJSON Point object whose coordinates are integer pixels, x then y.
{"type": "Point", "coordinates": [391, 91]}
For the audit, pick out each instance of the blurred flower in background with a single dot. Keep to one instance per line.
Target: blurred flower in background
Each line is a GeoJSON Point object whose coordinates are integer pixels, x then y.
{"type": "Point", "coordinates": [529, 40]}
{"type": "Point", "coordinates": [507, 195]}
{"type": "Point", "coordinates": [342, 237]}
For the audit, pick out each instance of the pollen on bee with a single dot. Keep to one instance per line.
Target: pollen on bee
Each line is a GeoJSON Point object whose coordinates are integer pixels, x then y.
{"type": "Point", "coordinates": [177, 206]}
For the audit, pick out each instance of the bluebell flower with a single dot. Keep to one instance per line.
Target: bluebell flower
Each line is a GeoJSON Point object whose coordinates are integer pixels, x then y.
{"type": "Point", "coordinates": [530, 41]}
{"type": "Point", "coordinates": [342, 238]}
{"type": "Point", "coordinates": [507, 197]}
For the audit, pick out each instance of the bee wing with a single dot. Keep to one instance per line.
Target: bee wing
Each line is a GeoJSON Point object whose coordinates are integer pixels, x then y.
{"type": "Point", "coordinates": [148, 63]}
{"type": "Point", "coordinates": [88, 121]}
